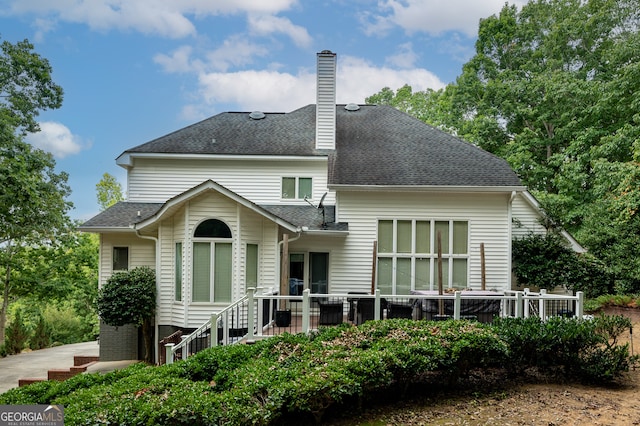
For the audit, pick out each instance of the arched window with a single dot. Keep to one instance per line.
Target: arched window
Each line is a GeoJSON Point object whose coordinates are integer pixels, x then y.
{"type": "Point", "coordinates": [212, 228]}
{"type": "Point", "coordinates": [212, 262]}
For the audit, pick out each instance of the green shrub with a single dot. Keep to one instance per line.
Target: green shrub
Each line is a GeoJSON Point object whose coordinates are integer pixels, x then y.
{"type": "Point", "coordinates": [17, 335]}
{"type": "Point", "coordinates": [300, 377]}
{"type": "Point", "coordinates": [41, 334]}
{"type": "Point", "coordinates": [545, 261]}
{"type": "Point", "coordinates": [583, 349]}
{"type": "Point", "coordinates": [66, 326]}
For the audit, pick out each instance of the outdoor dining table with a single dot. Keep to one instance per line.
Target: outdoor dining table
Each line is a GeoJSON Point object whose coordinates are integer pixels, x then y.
{"type": "Point", "coordinates": [483, 309]}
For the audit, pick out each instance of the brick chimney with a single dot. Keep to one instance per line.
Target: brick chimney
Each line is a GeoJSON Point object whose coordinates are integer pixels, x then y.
{"type": "Point", "coordinates": [326, 101]}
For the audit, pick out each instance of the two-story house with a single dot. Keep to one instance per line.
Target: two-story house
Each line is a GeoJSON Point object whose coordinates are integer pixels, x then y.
{"type": "Point", "coordinates": [208, 207]}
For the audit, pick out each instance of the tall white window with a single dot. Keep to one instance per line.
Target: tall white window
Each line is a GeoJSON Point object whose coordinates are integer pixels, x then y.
{"type": "Point", "coordinates": [408, 254]}
{"type": "Point", "coordinates": [178, 272]}
{"type": "Point", "coordinates": [212, 262]}
{"type": "Point", "coordinates": [297, 187]}
{"type": "Point", "coordinates": [251, 265]}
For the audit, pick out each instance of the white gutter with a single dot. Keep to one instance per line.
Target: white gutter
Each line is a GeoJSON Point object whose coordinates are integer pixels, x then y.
{"type": "Point", "coordinates": [420, 188]}
{"type": "Point", "coordinates": [126, 159]}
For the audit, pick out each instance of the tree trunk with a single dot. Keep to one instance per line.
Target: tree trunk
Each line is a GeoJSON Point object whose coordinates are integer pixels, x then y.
{"type": "Point", "coordinates": [5, 305]}
{"type": "Point", "coordinates": [148, 343]}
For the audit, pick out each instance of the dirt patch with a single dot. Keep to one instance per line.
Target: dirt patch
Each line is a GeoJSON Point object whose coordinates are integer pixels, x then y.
{"type": "Point", "coordinates": [527, 404]}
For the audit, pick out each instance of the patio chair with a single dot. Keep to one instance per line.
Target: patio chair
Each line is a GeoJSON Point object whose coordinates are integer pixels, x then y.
{"type": "Point", "coordinates": [331, 313]}
{"type": "Point", "coordinates": [399, 310]}
{"type": "Point", "coordinates": [365, 309]}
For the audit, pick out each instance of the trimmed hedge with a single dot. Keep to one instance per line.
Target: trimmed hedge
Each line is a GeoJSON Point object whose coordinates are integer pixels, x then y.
{"type": "Point", "coordinates": [299, 376]}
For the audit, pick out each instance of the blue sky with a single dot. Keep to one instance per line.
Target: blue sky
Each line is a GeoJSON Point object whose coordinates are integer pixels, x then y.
{"type": "Point", "coordinates": [134, 70]}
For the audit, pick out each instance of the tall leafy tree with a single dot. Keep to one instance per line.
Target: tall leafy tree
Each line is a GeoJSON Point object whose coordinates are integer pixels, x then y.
{"type": "Point", "coordinates": [26, 86]}
{"type": "Point", "coordinates": [33, 205]}
{"type": "Point", "coordinates": [554, 88]}
{"type": "Point", "coordinates": [108, 191]}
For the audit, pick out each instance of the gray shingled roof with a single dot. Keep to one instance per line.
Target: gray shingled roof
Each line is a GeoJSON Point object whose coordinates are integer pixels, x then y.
{"type": "Point", "coordinates": [379, 145]}
{"type": "Point", "coordinates": [307, 216]}
{"type": "Point", "coordinates": [235, 133]}
{"type": "Point", "coordinates": [122, 215]}
{"type": "Point", "coordinates": [376, 145]}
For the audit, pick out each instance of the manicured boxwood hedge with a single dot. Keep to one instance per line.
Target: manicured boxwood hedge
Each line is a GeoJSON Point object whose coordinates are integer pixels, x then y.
{"type": "Point", "coordinates": [303, 376]}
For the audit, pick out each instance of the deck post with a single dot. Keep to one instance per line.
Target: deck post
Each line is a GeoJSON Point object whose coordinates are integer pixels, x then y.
{"type": "Point", "coordinates": [519, 304]}
{"type": "Point", "coordinates": [251, 317]}
{"type": "Point", "coordinates": [580, 304]}
{"type": "Point", "coordinates": [542, 305]}
{"type": "Point", "coordinates": [376, 305]}
{"type": "Point", "coordinates": [306, 310]}
{"type": "Point", "coordinates": [457, 304]}
{"type": "Point", "coordinates": [525, 304]}
{"type": "Point", "coordinates": [168, 350]}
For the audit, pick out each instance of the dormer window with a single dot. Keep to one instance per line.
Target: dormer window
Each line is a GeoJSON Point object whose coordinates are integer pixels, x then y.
{"type": "Point", "coordinates": [296, 188]}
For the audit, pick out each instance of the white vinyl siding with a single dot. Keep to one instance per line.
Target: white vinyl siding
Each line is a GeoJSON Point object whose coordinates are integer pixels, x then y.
{"type": "Point", "coordinates": [487, 215]}
{"type": "Point", "coordinates": [526, 219]}
{"type": "Point", "coordinates": [246, 227]}
{"type": "Point", "coordinates": [141, 252]}
{"type": "Point", "coordinates": [156, 180]}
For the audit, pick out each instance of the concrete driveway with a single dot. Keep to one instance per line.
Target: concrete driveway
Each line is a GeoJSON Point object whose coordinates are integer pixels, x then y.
{"type": "Point", "coordinates": [37, 363]}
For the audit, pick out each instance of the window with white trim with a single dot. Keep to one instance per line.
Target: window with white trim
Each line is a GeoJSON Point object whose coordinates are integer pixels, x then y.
{"type": "Point", "coordinates": [212, 262]}
{"type": "Point", "coordinates": [178, 271]}
{"type": "Point", "coordinates": [251, 265]}
{"type": "Point", "coordinates": [408, 254]}
{"type": "Point", "coordinates": [297, 187]}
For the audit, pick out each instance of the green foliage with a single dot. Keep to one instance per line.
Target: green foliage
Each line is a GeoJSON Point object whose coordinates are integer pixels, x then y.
{"type": "Point", "coordinates": [41, 337]}
{"type": "Point", "coordinates": [602, 301]}
{"type": "Point", "coordinates": [544, 261]}
{"type": "Point", "coordinates": [17, 335]}
{"type": "Point", "coordinates": [554, 89]}
{"type": "Point", "coordinates": [130, 298]}
{"type": "Point", "coordinates": [108, 191]}
{"type": "Point", "coordinates": [66, 326]}
{"type": "Point", "coordinates": [299, 377]}
{"type": "Point", "coordinates": [26, 86]}
{"type": "Point", "coordinates": [582, 349]}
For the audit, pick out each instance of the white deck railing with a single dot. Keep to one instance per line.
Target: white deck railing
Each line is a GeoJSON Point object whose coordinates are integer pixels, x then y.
{"type": "Point", "coordinates": [254, 315]}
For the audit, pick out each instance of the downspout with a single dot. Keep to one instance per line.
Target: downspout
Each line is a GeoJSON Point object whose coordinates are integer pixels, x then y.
{"type": "Point", "coordinates": [280, 243]}
{"type": "Point", "coordinates": [510, 238]}
{"type": "Point", "coordinates": [155, 330]}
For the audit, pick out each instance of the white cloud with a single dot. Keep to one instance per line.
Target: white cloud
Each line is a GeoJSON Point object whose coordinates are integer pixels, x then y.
{"type": "Point", "coordinates": [358, 79]}
{"type": "Point", "coordinates": [179, 61]}
{"type": "Point", "coordinates": [57, 139]}
{"type": "Point", "coordinates": [269, 24]}
{"type": "Point", "coordinates": [273, 91]}
{"type": "Point", "coordinates": [168, 18]}
{"type": "Point", "coordinates": [405, 58]}
{"type": "Point", "coordinates": [236, 51]}
{"type": "Point", "coordinates": [433, 16]}
{"type": "Point", "coordinates": [269, 91]}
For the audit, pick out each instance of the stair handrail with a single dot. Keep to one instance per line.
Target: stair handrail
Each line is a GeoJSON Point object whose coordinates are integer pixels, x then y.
{"type": "Point", "coordinates": [173, 348]}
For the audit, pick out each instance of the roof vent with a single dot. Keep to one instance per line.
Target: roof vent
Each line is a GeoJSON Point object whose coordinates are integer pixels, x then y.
{"type": "Point", "coordinates": [257, 115]}
{"type": "Point", "coordinates": [352, 107]}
